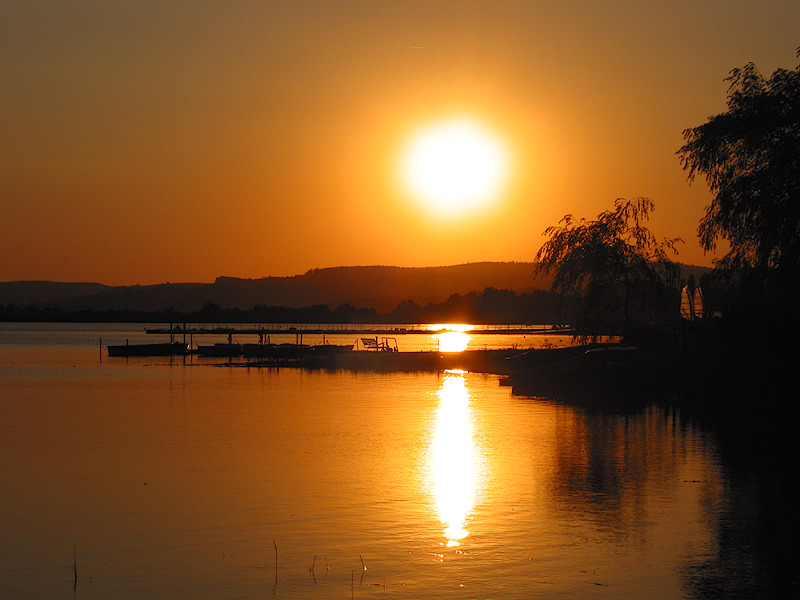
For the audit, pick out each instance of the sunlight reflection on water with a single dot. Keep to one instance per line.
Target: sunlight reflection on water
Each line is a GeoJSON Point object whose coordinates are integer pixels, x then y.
{"type": "Point", "coordinates": [453, 457]}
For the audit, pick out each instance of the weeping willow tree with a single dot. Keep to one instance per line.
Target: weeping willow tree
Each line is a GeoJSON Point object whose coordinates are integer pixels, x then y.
{"type": "Point", "coordinates": [750, 157]}
{"type": "Point", "coordinates": [613, 266]}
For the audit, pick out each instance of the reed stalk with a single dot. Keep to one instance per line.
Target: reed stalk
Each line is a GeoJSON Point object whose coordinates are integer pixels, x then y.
{"type": "Point", "coordinates": [275, 585]}
{"type": "Point", "coordinates": [311, 569]}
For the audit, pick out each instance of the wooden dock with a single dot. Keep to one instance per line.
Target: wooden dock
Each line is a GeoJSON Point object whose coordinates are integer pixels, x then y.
{"type": "Point", "coordinates": [474, 361]}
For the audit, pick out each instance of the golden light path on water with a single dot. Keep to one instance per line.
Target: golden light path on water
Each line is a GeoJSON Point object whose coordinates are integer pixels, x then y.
{"type": "Point", "coordinates": [453, 455]}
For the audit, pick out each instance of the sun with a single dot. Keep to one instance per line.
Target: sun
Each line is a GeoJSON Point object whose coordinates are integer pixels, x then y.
{"type": "Point", "coordinates": [454, 166]}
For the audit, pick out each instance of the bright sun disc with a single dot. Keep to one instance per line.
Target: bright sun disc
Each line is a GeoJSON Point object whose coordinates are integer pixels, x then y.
{"type": "Point", "coordinates": [454, 166]}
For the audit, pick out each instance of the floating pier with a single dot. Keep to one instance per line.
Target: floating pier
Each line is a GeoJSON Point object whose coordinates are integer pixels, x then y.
{"type": "Point", "coordinates": [381, 356]}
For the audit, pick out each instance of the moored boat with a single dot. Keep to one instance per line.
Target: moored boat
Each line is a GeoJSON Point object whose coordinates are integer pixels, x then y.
{"type": "Point", "coordinates": [322, 350]}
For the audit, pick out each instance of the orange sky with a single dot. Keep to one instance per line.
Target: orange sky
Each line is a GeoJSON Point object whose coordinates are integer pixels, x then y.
{"type": "Point", "coordinates": [151, 142]}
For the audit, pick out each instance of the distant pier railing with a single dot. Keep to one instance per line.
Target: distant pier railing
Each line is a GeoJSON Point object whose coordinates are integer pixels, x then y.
{"type": "Point", "coordinates": [351, 329]}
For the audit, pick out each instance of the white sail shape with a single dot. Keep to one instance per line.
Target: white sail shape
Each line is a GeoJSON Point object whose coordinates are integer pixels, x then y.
{"type": "Point", "coordinates": [686, 304]}
{"type": "Point", "coordinates": [698, 305]}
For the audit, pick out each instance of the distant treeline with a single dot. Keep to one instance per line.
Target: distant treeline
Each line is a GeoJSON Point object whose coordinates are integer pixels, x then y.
{"type": "Point", "coordinates": [490, 306]}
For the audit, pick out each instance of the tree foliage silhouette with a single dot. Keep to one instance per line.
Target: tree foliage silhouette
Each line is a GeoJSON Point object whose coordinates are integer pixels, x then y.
{"type": "Point", "coordinates": [750, 156]}
{"type": "Point", "coordinates": [614, 265]}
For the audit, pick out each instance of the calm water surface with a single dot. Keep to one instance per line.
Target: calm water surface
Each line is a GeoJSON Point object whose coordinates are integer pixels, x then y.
{"type": "Point", "coordinates": [180, 479]}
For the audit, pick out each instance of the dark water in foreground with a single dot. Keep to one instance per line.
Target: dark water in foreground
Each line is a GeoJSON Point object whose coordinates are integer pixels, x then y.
{"type": "Point", "coordinates": [181, 480]}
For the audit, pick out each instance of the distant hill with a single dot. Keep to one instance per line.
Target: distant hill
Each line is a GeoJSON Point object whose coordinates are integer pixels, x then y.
{"type": "Point", "coordinates": [379, 287]}
{"type": "Point", "coordinates": [40, 293]}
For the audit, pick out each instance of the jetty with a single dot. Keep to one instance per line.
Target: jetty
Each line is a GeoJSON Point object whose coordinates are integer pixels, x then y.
{"type": "Point", "coordinates": [374, 349]}
{"type": "Point", "coordinates": [475, 361]}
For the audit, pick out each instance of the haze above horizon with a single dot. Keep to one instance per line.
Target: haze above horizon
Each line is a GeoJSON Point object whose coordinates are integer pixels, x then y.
{"type": "Point", "coordinates": [147, 143]}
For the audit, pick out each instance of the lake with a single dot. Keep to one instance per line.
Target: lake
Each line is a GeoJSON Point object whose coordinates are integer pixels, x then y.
{"type": "Point", "coordinates": [184, 478]}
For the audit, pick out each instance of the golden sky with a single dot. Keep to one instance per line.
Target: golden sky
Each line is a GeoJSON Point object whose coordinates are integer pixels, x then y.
{"type": "Point", "coordinates": [145, 142]}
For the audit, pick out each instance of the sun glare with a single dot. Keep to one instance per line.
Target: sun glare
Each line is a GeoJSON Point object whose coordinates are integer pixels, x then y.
{"type": "Point", "coordinates": [454, 166]}
{"type": "Point", "coordinates": [451, 337]}
{"type": "Point", "coordinates": [452, 341]}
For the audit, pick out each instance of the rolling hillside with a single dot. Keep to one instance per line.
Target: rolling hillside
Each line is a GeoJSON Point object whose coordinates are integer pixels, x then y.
{"type": "Point", "coordinates": [379, 287]}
